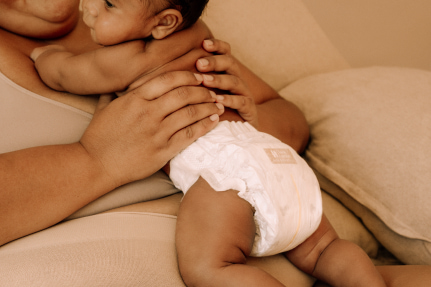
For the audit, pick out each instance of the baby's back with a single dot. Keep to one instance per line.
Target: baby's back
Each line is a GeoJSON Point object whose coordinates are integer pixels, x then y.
{"type": "Point", "coordinates": [178, 52]}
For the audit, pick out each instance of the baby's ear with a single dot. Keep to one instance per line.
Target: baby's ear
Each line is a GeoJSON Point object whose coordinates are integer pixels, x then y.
{"type": "Point", "coordinates": [168, 22]}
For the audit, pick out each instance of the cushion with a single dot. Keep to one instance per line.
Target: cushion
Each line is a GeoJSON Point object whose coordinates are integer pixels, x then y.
{"type": "Point", "coordinates": [111, 249]}
{"type": "Point", "coordinates": [371, 143]}
{"type": "Point", "coordinates": [153, 187]}
{"type": "Point", "coordinates": [279, 53]}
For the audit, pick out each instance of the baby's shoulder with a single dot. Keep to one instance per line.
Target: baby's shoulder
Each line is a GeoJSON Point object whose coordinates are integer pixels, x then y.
{"type": "Point", "coordinates": [125, 50]}
{"type": "Point", "coordinates": [133, 47]}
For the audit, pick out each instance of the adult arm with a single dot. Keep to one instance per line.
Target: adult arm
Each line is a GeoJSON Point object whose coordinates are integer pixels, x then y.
{"type": "Point", "coordinates": [255, 100]}
{"type": "Point", "coordinates": [128, 139]}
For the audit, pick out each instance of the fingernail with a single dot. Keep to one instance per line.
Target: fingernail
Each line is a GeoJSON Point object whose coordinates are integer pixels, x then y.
{"type": "Point", "coordinates": [219, 106]}
{"type": "Point", "coordinates": [213, 94]}
{"type": "Point", "coordinates": [214, 117]}
{"type": "Point", "coordinates": [199, 77]}
{"type": "Point", "coordinates": [208, 78]}
{"type": "Point", "coordinates": [208, 42]}
{"type": "Point", "coordinates": [203, 62]}
{"type": "Point", "coordinates": [220, 98]}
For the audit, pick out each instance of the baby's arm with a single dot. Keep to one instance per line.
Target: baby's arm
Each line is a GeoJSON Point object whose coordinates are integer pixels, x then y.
{"type": "Point", "coordinates": [113, 68]}
{"type": "Point", "coordinates": [105, 70]}
{"type": "Point", "coordinates": [333, 260]}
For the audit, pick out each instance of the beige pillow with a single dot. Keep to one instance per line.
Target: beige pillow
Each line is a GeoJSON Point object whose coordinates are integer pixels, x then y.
{"type": "Point", "coordinates": [371, 142]}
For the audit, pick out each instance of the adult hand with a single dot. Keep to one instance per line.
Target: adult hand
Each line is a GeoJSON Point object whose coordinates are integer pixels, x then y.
{"type": "Point", "coordinates": [255, 100]}
{"type": "Point", "coordinates": [231, 80]}
{"type": "Point", "coordinates": [137, 134]}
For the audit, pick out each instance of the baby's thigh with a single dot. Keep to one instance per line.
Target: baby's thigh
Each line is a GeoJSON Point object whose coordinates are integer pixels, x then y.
{"type": "Point", "coordinates": [214, 227]}
{"type": "Point", "coordinates": [306, 255]}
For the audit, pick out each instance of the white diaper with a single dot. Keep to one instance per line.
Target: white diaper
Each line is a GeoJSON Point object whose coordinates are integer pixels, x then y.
{"type": "Point", "coordinates": [269, 174]}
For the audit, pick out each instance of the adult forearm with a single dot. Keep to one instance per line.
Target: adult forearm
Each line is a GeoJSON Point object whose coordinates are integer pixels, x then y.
{"type": "Point", "coordinates": [128, 139]}
{"type": "Point", "coordinates": [41, 186]}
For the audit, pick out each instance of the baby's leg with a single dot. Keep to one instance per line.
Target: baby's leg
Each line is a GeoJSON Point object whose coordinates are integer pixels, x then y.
{"type": "Point", "coordinates": [39, 18]}
{"type": "Point", "coordinates": [215, 233]}
{"type": "Point", "coordinates": [333, 260]}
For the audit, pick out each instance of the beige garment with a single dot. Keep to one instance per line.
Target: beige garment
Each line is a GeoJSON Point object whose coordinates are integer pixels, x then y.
{"type": "Point", "coordinates": [28, 120]}
{"type": "Point", "coordinates": [98, 250]}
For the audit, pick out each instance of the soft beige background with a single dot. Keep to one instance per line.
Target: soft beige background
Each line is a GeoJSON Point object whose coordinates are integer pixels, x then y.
{"type": "Point", "coordinates": [378, 32]}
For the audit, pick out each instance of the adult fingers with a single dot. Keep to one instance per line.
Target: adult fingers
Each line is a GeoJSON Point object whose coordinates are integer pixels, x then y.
{"type": "Point", "coordinates": [226, 82]}
{"type": "Point", "coordinates": [216, 46]}
{"type": "Point", "coordinates": [182, 97]}
{"type": "Point", "coordinates": [241, 103]}
{"type": "Point", "coordinates": [164, 83]}
{"type": "Point", "coordinates": [223, 61]}
{"type": "Point", "coordinates": [189, 115]}
{"type": "Point", "coordinates": [187, 135]}
{"type": "Point", "coordinates": [245, 106]}
{"type": "Point", "coordinates": [218, 63]}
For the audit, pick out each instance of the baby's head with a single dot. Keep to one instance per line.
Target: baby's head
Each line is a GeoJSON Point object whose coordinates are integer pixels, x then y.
{"type": "Point", "coordinates": [116, 21]}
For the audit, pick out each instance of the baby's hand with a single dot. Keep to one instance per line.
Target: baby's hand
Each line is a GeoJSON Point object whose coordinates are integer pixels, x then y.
{"type": "Point", "coordinates": [40, 50]}
{"type": "Point", "coordinates": [231, 80]}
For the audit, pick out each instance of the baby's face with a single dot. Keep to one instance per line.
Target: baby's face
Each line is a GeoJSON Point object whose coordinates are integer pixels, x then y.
{"type": "Point", "coordinates": [115, 21]}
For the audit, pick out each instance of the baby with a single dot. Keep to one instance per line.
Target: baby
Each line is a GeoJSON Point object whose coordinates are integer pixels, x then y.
{"type": "Point", "coordinates": [123, 64]}
{"type": "Point", "coordinates": [246, 193]}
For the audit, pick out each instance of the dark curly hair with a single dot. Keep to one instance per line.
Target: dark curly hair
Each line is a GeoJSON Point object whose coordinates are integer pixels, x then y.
{"type": "Point", "coordinates": [191, 10]}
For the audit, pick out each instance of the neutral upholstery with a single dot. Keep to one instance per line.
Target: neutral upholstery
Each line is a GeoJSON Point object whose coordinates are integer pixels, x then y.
{"type": "Point", "coordinates": [278, 39]}
{"type": "Point", "coordinates": [371, 142]}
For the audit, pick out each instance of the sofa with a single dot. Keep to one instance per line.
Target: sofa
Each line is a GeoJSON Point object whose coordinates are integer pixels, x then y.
{"type": "Point", "coordinates": [370, 138]}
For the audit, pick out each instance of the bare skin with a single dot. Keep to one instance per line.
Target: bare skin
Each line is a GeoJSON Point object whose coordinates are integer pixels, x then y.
{"type": "Point", "coordinates": [31, 201]}
{"type": "Point", "coordinates": [276, 116]}
{"type": "Point", "coordinates": [209, 242]}
{"type": "Point", "coordinates": [41, 19]}
{"type": "Point", "coordinates": [215, 234]}
{"type": "Point", "coordinates": [98, 71]}
{"type": "Point", "coordinates": [25, 186]}
{"type": "Point", "coordinates": [333, 260]}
